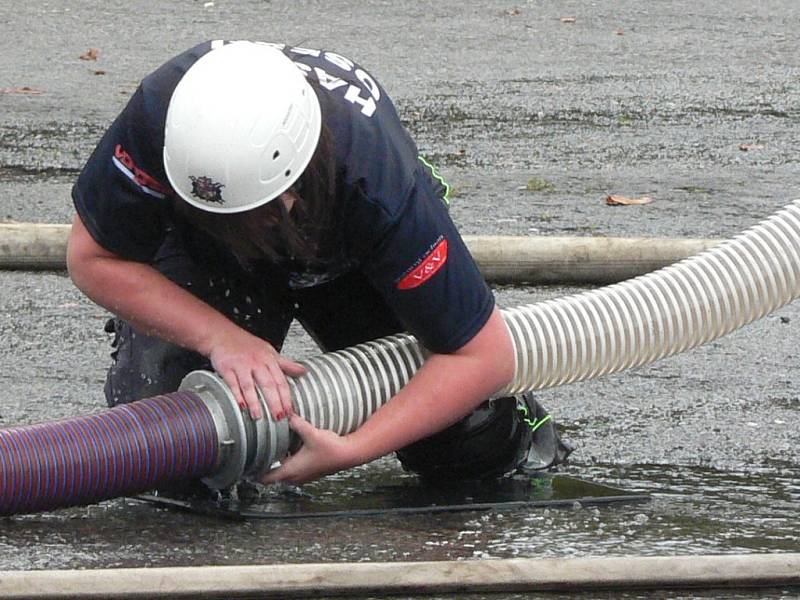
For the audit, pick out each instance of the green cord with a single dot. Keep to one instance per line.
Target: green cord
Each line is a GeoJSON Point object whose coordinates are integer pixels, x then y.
{"type": "Point", "coordinates": [535, 423]}
{"type": "Point", "coordinates": [438, 178]}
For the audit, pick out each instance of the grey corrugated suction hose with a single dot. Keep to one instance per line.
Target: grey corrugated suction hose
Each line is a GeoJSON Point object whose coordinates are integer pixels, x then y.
{"type": "Point", "coordinates": [568, 339]}
{"type": "Point", "coordinates": [671, 310]}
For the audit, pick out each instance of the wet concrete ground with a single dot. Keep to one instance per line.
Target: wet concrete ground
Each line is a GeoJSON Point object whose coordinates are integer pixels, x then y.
{"type": "Point", "coordinates": [631, 98]}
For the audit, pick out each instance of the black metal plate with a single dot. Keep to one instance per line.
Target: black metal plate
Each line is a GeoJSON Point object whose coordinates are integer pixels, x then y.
{"type": "Point", "coordinates": [540, 490]}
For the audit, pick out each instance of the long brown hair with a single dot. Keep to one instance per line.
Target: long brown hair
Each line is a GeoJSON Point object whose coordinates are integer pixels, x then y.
{"type": "Point", "coordinates": [271, 231]}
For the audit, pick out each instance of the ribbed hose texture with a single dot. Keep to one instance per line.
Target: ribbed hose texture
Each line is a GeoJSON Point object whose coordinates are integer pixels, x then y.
{"type": "Point", "coordinates": [125, 450]}
{"type": "Point", "coordinates": [343, 388]}
{"type": "Point", "coordinates": [660, 314]}
{"type": "Point", "coordinates": [586, 335]}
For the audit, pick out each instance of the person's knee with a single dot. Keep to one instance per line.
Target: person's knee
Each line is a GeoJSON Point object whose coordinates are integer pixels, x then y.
{"type": "Point", "coordinates": [487, 443]}
{"type": "Point", "coordinates": [500, 437]}
{"type": "Point", "coordinates": [145, 366]}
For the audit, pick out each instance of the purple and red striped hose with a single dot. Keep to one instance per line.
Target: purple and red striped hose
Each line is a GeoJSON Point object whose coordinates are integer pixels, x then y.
{"type": "Point", "coordinates": [122, 451]}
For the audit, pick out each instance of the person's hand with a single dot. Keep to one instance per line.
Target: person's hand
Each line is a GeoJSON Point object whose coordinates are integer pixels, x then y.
{"type": "Point", "coordinates": [323, 452]}
{"type": "Point", "coordinates": [245, 362]}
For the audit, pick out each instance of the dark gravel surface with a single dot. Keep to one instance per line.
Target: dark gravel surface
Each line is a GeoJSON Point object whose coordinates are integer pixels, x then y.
{"type": "Point", "coordinates": [694, 104]}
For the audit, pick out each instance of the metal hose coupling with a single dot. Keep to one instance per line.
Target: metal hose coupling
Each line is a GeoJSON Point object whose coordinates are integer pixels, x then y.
{"type": "Point", "coordinates": [558, 341]}
{"type": "Point", "coordinates": [247, 447]}
{"type": "Point", "coordinates": [339, 392]}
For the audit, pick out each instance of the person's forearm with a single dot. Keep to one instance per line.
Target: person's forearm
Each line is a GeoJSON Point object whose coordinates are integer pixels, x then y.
{"type": "Point", "coordinates": [438, 396]}
{"type": "Point", "coordinates": [447, 388]}
{"type": "Point", "coordinates": [154, 304]}
{"type": "Point", "coordinates": [149, 301]}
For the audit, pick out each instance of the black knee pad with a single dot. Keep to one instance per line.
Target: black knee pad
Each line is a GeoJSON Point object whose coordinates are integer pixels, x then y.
{"type": "Point", "coordinates": [499, 437]}
{"type": "Point", "coordinates": [487, 443]}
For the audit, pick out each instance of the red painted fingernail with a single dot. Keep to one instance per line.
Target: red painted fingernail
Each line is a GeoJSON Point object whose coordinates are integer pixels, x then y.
{"type": "Point", "coordinates": [279, 416]}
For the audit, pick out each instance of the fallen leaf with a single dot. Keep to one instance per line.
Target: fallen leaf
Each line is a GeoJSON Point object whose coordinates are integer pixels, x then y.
{"type": "Point", "coordinates": [20, 90]}
{"type": "Point", "coordinates": [90, 54]}
{"type": "Point", "coordinates": [567, 19]}
{"type": "Point", "coordinates": [623, 201]}
{"type": "Point", "coordinates": [749, 147]}
{"type": "Point", "coordinates": [99, 72]}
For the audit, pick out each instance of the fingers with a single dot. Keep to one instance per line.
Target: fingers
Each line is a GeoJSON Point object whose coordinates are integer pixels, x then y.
{"type": "Point", "coordinates": [244, 392]}
{"type": "Point", "coordinates": [302, 427]}
{"type": "Point", "coordinates": [288, 471]}
{"type": "Point", "coordinates": [270, 389]}
{"type": "Point", "coordinates": [229, 376]}
{"type": "Point", "coordinates": [250, 395]}
{"type": "Point", "coordinates": [249, 364]}
{"type": "Point", "coordinates": [275, 386]}
{"type": "Point", "coordinates": [282, 387]}
{"type": "Point", "coordinates": [291, 368]}
{"type": "Point", "coordinates": [322, 452]}
{"type": "Point", "coordinates": [279, 474]}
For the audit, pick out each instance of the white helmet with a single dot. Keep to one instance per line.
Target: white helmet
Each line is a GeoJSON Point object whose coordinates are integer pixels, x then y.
{"type": "Point", "coordinates": [242, 125]}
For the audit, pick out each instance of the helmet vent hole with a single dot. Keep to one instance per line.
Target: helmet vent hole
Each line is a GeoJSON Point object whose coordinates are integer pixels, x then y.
{"type": "Point", "coordinates": [276, 154]}
{"type": "Point", "coordinates": [288, 172]}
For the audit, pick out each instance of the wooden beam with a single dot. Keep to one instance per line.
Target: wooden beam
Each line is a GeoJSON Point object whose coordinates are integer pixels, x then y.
{"type": "Point", "coordinates": [418, 578]}
{"type": "Point", "coordinates": [502, 259]}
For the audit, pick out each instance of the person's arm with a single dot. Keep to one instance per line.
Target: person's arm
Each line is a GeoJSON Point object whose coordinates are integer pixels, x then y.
{"type": "Point", "coordinates": [445, 389]}
{"type": "Point", "coordinates": [141, 295]}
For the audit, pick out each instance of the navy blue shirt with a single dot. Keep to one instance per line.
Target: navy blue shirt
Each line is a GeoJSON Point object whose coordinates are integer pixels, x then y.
{"type": "Point", "coordinates": [396, 225]}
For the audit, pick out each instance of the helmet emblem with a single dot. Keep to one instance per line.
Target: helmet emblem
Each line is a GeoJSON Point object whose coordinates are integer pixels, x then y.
{"type": "Point", "coordinates": [207, 189]}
